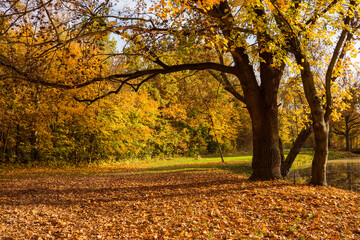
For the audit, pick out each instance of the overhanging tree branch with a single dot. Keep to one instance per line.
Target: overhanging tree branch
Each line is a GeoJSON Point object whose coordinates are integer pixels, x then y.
{"type": "Point", "coordinates": [176, 68]}
{"type": "Point", "coordinates": [122, 78]}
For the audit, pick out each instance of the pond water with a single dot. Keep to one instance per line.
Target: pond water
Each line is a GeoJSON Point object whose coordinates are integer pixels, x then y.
{"type": "Point", "coordinates": [343, 174]}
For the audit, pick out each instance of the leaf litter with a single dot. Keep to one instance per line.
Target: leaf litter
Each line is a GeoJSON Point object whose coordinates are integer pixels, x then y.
{"type": "Point", "coordinates": [176, 205]}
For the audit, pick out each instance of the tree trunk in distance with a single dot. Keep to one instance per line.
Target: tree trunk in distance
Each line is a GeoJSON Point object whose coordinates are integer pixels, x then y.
{"type": "Point", "coordinates": [347, 133]}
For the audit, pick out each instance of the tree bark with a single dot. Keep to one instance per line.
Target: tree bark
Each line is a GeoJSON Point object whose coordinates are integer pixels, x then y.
{"type": "Point", "coordinates": [318, 170]}
{"type": "Point", "coordinates": [261, 102]}
{"type": "Point", "coordinates": [260, 96]}
{"type": "Point", "coordinates": [262, 105]}
{"type": "Point", "coordinates": [295, 149]}
{"type": "Point", "coordinates": [267, 154]}
{"type": "Point", "coordinates": [320, 124]}
{"type": "Point", "coordinates": [347, 133]}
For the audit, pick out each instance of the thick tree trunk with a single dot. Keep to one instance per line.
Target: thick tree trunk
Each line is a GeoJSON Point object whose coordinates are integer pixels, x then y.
{"type": "Point", "coordinates": [266, 162]}
{"type": "Point", "coordinates": [260, 97]}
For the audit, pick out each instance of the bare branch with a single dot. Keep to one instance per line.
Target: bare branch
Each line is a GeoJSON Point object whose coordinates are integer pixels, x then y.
{"type": "Point", "coordinates": [338, 131]}
{"type": "Point", "coordinates": [136, 87]}
{"type": "Point", "coordinates": [23, 12]}
{"type": "Point", "coordinates": [123, 78]}
{"type": "Point", "coordinates": [35, 79]}
{"type": "Point", "coordinates": [284, 20]}
{"type": "Point", "coordinates": [317, 15]}
{"type": "Point", "coordinates": [51, 20]}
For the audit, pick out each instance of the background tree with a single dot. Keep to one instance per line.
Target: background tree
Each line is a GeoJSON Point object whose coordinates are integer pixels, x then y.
{"type": "Point", "coordinates": [346, 123]}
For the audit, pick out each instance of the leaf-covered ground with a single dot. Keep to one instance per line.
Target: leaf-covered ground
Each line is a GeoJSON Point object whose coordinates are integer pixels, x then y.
{"type": "Point", "coordinates": [176, 205]}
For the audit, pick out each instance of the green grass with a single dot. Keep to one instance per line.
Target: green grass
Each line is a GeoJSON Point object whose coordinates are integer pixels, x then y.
{"type": "Point", "coordinates": [234, 167]}
{"type": "Point", "coordinates": [303, 160]}
{"type": "Point", "coordinates": [237, 164]}
{"type": "Point", "coordinates": [202, 160]}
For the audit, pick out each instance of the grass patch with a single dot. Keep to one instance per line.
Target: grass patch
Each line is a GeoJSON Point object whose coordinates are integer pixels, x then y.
{"type": "Point", "coordinates": [243, 168]}
{"type": "Point", "coordinates": [303, 160]}
{"type": "Point", "coordinates": [236, 164]}
{"type": "Point", "coordinates": [202, 160]}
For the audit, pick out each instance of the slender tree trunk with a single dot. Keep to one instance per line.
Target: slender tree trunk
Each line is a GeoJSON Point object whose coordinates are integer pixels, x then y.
{"type": "Point", "coordinates": [295, 149]}
{"type": "Point", "coordinates": [347, 134]}
{"type": "Point", "coordinates": [347, 139]}
{"type": "Point", "coordinates": [5, 138]}
{"type": "Point", "coordinates": [320, 123]}
{"type": "Point", "coordinates": [18, 141]}
{"type": "Point", "coordinates": [221, 153]}
{"type": "Point", "coordinates": [35, 154]}
{"type": "Point", "coordinates": [34, 145]}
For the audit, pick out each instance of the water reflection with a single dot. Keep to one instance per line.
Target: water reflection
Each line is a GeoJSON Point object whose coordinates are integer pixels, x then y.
{"type": "Point", "coordinates": [341, 174]}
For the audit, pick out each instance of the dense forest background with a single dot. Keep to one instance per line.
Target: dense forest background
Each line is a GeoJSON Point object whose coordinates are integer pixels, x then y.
{"type": "Point", "coordinates": [187, 113]}
{"type": "Point", "coordinates": [184, 114]}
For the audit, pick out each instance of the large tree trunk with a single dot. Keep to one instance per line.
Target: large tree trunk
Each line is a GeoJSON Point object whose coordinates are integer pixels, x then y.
{"type": "Point", "coordinates": [263, 109]}
{"type": "Point", "coordinates": [260, 97]}
{"type": "Point", "coordinates": [266, 162]}
{"type": "Point", "coordinates": [261, 102]}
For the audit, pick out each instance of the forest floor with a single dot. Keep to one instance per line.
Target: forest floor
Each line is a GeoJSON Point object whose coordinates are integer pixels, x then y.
{"type": "Point", "coordinates": [208, 203]}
